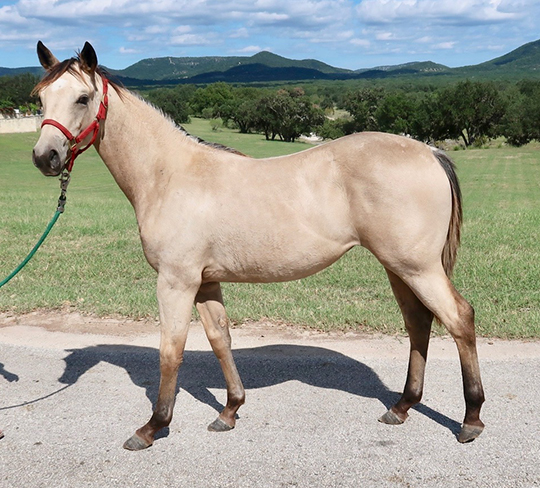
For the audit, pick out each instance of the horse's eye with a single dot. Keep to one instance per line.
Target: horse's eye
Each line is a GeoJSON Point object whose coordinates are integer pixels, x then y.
{"type": "Point", "coordinates": [83, 100]}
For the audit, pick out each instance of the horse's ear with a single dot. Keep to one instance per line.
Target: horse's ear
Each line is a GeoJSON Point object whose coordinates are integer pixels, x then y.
{"type": "Point", "coordinates": [46, 58]}
{"type": "Point", "coordinates": [88, 58]}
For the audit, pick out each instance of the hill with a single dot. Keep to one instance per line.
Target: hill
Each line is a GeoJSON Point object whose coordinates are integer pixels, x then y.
{"type": "Point", "coordinates": [523, 59]}
{"type": "Point", "coordinates": [170, 68]}
{"type": "Point", "coordinates": [35, 70]}
{"type": "Point", "coordinates": [268, 67]}
{"type": "Point", "coordinates": [523, 62]}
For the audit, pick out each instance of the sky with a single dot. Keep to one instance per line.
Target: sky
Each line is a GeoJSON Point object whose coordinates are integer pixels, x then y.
{"type": "Point", "coordinates": [350, 34]}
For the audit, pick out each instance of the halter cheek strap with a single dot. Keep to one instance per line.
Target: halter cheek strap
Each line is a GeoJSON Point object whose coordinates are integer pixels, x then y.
{"type": "Point", "coordinates": [93, 128]}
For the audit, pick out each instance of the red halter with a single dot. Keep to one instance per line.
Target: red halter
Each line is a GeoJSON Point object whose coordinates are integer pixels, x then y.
{"type": "Point", "coordinates": [92, 128]}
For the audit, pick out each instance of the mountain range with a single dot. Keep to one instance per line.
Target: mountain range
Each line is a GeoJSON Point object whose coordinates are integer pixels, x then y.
{"type": "Point", "coordinates": [523, 62]}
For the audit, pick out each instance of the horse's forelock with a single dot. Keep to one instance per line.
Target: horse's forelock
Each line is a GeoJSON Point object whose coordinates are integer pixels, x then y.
{"type": "Point", "coordinates": [71, 66]}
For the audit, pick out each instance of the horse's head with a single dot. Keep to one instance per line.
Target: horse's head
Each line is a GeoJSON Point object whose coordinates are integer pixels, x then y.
{"type": "Point", "coordinates": [71, 94]}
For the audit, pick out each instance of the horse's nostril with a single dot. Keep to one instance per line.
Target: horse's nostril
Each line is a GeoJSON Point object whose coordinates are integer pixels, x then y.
{"type": "Point", "coordinates": [53, 156]}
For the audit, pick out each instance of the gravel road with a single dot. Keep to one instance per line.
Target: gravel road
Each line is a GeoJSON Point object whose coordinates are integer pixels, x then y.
{"type": "Point", "coordinates": [68, 400]}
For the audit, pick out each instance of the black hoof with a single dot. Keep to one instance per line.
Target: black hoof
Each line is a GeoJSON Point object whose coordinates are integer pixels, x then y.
{"type": "Point", "coordinates": [469, 433]}
{"type": "Point", "coordinates": [219, 426]}
{"type": "Point", "coordinates": [391, 418]}
{"type": "Point", "coordinates": [136, 443]}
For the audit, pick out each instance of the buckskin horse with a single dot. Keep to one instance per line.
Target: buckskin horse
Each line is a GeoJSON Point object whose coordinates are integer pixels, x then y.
{"type": "Point", "coordinates": [208, 214]}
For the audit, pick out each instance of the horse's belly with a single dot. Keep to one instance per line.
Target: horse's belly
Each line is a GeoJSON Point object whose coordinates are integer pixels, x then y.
{"type": "Point", "coordinates": [275, 259]}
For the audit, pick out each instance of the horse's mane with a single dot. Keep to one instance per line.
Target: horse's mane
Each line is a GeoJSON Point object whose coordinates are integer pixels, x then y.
{"type": "Point", "coordinates": [215, 145]}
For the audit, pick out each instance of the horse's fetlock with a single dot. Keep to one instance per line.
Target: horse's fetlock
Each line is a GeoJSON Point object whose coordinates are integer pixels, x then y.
{"type": "Point", "coordinates": [237, 397]}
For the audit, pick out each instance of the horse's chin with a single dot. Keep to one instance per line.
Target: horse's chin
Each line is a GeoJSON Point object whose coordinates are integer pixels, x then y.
{"type": "Point", "coordinates": [50, 172]}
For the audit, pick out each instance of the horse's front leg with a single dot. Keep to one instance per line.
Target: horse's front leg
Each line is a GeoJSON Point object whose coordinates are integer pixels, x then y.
{"type": "Point", "coordinates": [209, 303]}
{"type": "Point", "coordinates": [175, 305]}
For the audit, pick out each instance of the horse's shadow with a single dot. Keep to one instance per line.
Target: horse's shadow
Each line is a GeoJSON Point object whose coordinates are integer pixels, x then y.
{"type": "Point", "coordinates": [258, 367]}
{"type": "Point", "coordinates": [7, 375]}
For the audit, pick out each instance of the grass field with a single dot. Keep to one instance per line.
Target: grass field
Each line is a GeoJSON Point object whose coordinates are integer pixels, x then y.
{"type": "Point", "coordinates": [92, 261]}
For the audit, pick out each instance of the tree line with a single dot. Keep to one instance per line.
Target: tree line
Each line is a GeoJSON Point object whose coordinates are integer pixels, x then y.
{"type": "Point", "coordinates": [469, 111]}
{"type": "Point", "coordinates": [285, 113]}
{"type": "Point", "coordinates": [472, 112]}
{"type": "Point", "coordinates": [15, 92]}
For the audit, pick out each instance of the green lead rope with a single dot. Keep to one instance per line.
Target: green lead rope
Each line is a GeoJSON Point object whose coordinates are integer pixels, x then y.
{"type": "Point", "coordinates": [64, 181]}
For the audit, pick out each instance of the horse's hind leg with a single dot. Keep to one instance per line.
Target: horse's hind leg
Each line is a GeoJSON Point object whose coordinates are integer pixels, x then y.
{"type": "Point", "coordinates": [209, 303]}
{"type": "Point", "coordinates": [436, 292]}
{"type": "Point", "coordinates": [175, 306]}
{"type": "Point", "coordinates": [418, 319]}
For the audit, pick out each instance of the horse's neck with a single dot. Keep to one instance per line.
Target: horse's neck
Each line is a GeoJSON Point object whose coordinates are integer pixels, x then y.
{"type": "Point", "coordinates": [135, 144]}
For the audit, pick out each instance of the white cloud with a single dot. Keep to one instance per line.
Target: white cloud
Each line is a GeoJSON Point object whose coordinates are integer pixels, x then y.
{"type": "Point", "coordinates": [124, 50]}
{"type": "Point", "coordinates": [384, 36]}
{"type": "Point", "coordinates": [442, 11]}
{"type": "Point", "coordinates": [360, 42]}
{"type": "Point", "coordinates": [445, 45]}
{"type": "Point", "coordinates": [249, 49]}
{"type": "Point", "coordinates": [325, 29]}
{"type": "Point", "coordinates": [241, 33]}
{"type": "Point", "coordinates": [190, 40]}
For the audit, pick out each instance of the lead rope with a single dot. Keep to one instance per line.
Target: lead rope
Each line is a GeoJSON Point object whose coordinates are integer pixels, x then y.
{"type": "Point", "coordinates": [64, 182]}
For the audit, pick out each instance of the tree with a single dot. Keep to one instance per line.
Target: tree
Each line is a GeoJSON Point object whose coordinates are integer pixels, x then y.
{"type": "Point", "coordinates": [287, 114]}
{"type": "Point", "coordinates": [174, 102]}
{"type": "Point", "coordinates": [521, 122]}
{"type": "Point", "coordinates": [241, 109]}
{"type": "Point", "coordinates": [336, 128]}
{"type": "Point", "coordinates": [362, 105]}
{"type": "Point", "coordinates": [395, 113]}
{"type": "Point", "coordinates": [470, 110]}
{"type": "Point", "coordinates": [15, 91]}
{"type": "Point", "coordinates": [212, 98]}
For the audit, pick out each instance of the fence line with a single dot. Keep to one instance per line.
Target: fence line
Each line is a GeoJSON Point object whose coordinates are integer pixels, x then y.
{"type": "Point", "coordinates": [13, 125]}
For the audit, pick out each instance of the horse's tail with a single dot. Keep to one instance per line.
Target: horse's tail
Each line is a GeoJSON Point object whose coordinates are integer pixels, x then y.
{"type": "Point", "coordinates": [449, 253]}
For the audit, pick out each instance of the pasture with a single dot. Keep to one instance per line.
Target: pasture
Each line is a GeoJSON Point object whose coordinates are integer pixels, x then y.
{"type": "Point", "coordinates": [92, 261]}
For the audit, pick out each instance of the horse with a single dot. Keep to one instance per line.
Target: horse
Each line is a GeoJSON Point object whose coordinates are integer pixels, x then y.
{"type": "Point", "coordinates": [208, 214]}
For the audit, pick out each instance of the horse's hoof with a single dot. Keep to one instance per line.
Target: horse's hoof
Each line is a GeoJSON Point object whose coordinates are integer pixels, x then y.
{"type": "Point", "coordinates": [136, 443]}
{"type": "Point", "coordinates": [392, 418]}
{"type": "Point", "coordinates": [469, 433]}
{"type": "Point", "coordinates": [219, 426]}
{"type": "Point", "coordinates": [1, 434]}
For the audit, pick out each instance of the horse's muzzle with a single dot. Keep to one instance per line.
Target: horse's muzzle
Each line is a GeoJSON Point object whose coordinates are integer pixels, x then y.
{"type": "Point", "coordinates": [48, 162]}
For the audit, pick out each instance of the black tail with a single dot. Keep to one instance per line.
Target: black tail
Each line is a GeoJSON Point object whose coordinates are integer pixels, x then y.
{"type": "Point", "coordinates": [453, 238]}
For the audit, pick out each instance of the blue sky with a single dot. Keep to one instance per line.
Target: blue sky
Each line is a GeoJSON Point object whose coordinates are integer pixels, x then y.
{"type": "Point", "coordinates": [343, 33]}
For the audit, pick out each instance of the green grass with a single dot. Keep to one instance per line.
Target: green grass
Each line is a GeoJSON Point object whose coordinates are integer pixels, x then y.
{"type": "Point", "coordinates": [499, 261]}
{"type": "Point", "coordinates": [254, 145]}
{"type": "Point", "coordinates": [92, 261]}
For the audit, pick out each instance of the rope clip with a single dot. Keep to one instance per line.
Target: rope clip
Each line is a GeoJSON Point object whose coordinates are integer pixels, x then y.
{"type": "Point", "coordinates": [64, 182]}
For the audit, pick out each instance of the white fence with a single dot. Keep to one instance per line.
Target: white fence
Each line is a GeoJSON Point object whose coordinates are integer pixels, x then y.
{"type": "Point", "coordinates": [12, 125]}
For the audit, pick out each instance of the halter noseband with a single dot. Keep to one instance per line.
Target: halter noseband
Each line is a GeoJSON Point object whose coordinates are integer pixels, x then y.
{"type": "Point", "coordinates": [92, 128]}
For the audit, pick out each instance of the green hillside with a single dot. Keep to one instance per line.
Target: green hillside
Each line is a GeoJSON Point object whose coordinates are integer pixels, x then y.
{"type": "Point", "coordinates": [170, 68]}
{"type": "Point", "coordinates": [525, 58]}
{"type": "Point", "coordinates": [523, 62]}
